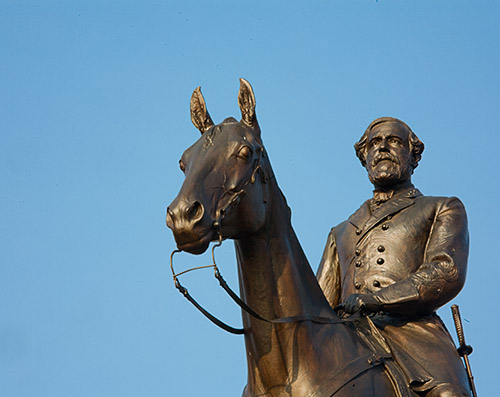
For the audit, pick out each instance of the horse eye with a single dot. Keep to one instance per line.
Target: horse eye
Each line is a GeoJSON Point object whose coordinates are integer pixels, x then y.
{"type": "Point", "coordinates": [245, 152]}
{"type": "Point", "coordinates": [182, 166]}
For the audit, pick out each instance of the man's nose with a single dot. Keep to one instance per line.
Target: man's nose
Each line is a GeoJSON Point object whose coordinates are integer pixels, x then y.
{"type": "Point", "coordinates": [383, 147]}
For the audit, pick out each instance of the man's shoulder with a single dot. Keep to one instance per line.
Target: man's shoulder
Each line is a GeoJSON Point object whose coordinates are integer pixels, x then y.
{"type": "Point", "coordinates": [338, 227]}
{"type": "Point", "coordinates": [440, 201]}
{"type": "Point", "coordinates": [437, 207]}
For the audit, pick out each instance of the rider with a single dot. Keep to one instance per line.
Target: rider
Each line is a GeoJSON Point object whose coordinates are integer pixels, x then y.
{"type": "Point", "coordinates": [400, 257]}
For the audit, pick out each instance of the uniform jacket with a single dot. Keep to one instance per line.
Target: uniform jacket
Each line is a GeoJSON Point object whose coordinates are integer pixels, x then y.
{"type": "Point", "coordinates": [411, 253]}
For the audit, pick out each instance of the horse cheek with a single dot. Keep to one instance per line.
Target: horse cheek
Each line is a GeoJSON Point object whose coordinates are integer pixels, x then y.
{"type": "Point", "coordinates": [253, 209]}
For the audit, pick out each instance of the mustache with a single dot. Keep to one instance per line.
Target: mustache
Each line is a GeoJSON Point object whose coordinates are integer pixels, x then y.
{"type": "Point", "coordinates": [384, 156]}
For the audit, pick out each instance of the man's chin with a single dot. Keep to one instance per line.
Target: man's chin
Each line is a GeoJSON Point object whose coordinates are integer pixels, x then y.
{"type": "Point", "coordinates": [385, 179]}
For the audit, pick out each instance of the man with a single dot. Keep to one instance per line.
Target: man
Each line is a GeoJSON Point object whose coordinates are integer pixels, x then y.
{"type": "Point", "coordinates": [400, 257]}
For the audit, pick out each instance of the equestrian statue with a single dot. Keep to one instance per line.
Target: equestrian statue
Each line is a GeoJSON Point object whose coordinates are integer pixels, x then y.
{"type": "Point", "coordinates": [366, 324]}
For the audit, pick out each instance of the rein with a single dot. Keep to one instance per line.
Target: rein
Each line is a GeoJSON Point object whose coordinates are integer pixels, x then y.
{"type": "Point", "coordinates": [185, 292]}
{"type": "Point", "coordinates": [238, 300]}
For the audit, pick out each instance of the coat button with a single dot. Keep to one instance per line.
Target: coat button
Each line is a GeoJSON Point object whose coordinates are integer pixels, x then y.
{"type": "Point", "coordinates": [357, 252]}
{"type": "Point", "coordinates": [376, 283]}
{"type": "Point", "coordinates": [358, 264]}
{"type": "Point", "coordinates": [385, 226]}
{"type": "Point", "coordinates": [357, 285]}
{"type": "Point", "coordinates": [358, 232]}
{"type": "Point", "coordinates": [380, 261]}
{"type": "Point", "coordinates": [380, 248]}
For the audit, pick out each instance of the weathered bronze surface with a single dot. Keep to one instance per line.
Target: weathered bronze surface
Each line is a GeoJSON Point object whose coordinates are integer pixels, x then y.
{"type": "Point", "coordinates": [396, 260]}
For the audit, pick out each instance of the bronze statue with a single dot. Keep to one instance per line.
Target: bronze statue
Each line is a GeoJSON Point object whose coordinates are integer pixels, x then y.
{"type": "Point", "coordinates": [297, 345]}
{"type": "Point", "coordinates": [400, 257]}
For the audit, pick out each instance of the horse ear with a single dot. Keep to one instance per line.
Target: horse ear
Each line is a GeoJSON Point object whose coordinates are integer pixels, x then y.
{"type": "Point", "coordinates": [246, 101]}
{"type": "Point", "coordinates": [199, 115]}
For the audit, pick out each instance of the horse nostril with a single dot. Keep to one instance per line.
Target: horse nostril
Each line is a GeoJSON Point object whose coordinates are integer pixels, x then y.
{"type": "Point", "coordinates": [170, 218]}
{"type": "Point", "coordinates": [195, 212]}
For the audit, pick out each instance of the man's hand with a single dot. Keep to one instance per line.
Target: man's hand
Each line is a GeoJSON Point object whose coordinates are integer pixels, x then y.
{"type": "Point", "coordinates": [364, 302]}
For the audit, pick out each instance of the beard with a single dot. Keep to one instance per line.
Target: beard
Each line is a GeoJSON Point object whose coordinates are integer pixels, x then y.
{"type": "Point", "coordinates": [386, 170]}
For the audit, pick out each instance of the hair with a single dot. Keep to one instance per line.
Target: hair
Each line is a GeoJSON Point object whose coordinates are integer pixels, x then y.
{"type": "Point", "coordinates": [416, 145]}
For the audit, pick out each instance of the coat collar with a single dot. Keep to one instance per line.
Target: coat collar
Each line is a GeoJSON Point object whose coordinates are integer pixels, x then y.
{"type": "Point", "coordinates": [364, 220]}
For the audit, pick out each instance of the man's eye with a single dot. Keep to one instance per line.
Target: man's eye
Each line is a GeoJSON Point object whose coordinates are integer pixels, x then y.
{"type": "Point", "coordinates": [245, 152]}
{"type": "Point", "coordinates": [182, 166]}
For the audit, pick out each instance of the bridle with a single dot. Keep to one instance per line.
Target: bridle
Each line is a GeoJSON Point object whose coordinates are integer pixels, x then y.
{"type": "Point", "coordinates": [241, 191]}
{"type": "Point", "coordinates": [217, 225]}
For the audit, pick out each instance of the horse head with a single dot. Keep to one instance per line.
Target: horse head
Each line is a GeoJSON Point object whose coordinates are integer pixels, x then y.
{"type": "Point", "coordinates": [219, 196]}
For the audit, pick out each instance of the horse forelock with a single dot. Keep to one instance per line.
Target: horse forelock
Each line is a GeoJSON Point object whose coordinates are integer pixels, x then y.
{"type": "Point", "coordinates": [209, 136]}
{"type": "Point", "coordinates": [216, 130]}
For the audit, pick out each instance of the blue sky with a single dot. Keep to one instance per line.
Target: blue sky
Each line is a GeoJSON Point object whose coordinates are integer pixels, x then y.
{"type": "Point", "coordinates": [95, 116]}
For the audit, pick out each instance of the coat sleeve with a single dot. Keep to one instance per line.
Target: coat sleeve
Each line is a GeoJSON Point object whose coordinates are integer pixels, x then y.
{"type": "Point", "coordinates": [442, 274]}
{"type": "Point", "coordinates": [328, 274]}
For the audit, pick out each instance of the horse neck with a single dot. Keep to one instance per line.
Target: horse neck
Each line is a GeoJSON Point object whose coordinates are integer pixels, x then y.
{"type": "Point", "coordinates": [275, 276]}
{"type": "Point", "coordinates": [276, 281]}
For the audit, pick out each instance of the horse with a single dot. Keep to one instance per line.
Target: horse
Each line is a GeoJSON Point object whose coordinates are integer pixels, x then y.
{"type": "Point", "coordinates": [297, 345]}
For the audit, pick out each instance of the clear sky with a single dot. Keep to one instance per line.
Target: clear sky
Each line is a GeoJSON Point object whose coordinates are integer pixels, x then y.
{"type": "Point", "coordinates": [94, 100]}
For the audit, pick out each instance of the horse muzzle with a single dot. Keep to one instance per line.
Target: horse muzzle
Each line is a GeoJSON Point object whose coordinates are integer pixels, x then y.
{"type": "Point", "coordinates": [192, 227]}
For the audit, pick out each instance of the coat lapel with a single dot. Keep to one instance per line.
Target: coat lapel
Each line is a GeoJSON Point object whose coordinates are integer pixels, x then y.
{"type": "Point", "coordinates": [388, 208]}
{"type": "Point", "coordinates": [364, 220]}
{"type": "Point", "coordinates": [359, 218]}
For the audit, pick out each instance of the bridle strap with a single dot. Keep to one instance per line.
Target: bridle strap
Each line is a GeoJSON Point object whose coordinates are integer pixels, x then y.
{"type": "Point", "coordinates": [241, 191]}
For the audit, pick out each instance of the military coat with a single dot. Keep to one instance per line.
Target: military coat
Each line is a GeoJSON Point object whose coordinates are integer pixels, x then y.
{"type": "Point", "coordinates": [411, 254]}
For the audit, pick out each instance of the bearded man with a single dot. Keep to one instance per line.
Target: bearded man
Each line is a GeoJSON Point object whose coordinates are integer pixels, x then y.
{"type": "Point", "coordinates": [400, 257]}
